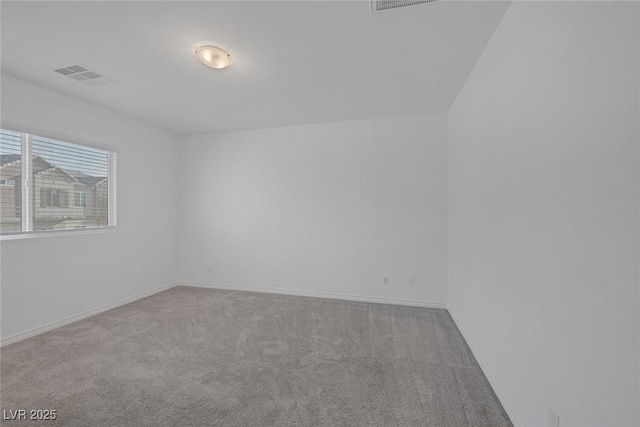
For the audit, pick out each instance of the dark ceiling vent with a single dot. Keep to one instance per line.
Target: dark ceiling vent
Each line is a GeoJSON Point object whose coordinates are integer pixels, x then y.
{"type": "Point", "coordinates": [84, 75]}
{"type": "Point", "coordinates": [382, 5]}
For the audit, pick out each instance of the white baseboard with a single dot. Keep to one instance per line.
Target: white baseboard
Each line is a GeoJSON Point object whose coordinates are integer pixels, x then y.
{"type": "Point", "coordinates": [348, 297]}
{"type": "Point", "coordinates": [494, 385]}
{"type": "Point", "coordinates": [53, 325]}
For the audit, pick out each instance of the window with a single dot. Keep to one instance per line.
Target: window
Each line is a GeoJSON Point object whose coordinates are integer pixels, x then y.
{"type": "Point", "coordinates": [68, 186]}
{"type": "Point", "coordinates": [51, 197]}
{"type": "Point", "coordinates": [80, 200]}
{"type": "Point", "coordinates": [54, 198]}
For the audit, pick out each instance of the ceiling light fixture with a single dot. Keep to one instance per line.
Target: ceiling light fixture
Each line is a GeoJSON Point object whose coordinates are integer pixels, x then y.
{"type": "Point", "coordinates": [214, 57]}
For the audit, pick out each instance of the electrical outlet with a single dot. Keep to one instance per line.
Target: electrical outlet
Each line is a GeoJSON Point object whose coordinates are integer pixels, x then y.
{"type": "Point", "coordinates": [554, 420]}
{"type": "Point", "coordinates": [208, 269]}
{"type": "Point", "coordinates": [412, 281]}
{"type": "Point", "coordinates": [385, 280]}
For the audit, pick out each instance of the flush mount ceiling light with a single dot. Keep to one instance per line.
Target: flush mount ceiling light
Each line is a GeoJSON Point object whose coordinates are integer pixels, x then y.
{"type": "Point", "coordinates": [214, 57]}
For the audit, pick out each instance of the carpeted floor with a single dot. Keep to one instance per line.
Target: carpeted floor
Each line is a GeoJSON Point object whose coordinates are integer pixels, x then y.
{"type": "Point", "coordinates": [203, 357]}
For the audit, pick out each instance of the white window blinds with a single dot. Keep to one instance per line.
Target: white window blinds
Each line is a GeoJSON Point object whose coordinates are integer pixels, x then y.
{"type": "Point", "coordinates": [10, 173]}
{"type": "Point", "coordinates": [68, 186]}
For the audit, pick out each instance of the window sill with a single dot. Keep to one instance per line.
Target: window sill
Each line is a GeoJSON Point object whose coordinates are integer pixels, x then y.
{"type": "Point", "coordinates": [54, 233]}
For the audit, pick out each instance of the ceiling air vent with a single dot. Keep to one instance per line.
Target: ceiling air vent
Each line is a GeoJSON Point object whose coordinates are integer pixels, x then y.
{"type": "Point", "coordinates": [383, 5]}
{"type": "Point", "coordinates": [84, 75]}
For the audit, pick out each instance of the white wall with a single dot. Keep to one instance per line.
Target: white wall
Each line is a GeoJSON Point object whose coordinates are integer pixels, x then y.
{"type": "Point", "coordinates": [329, 208]}
{"type": "Point", "coordinates": [543, 211]}
{"type": "Point", "coordinates": [45, 280]}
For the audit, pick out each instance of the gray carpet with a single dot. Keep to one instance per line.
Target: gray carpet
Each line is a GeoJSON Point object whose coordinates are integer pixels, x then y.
{"type": "Point", "coordinates": [203, 357]}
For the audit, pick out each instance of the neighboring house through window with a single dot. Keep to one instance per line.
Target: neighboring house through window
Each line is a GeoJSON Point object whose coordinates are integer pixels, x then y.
{"type": "Point", "coordinates": [69, 186]}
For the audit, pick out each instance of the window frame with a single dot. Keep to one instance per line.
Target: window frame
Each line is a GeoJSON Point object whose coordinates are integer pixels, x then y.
{"type": "Point", "coordinates": [28, 205]}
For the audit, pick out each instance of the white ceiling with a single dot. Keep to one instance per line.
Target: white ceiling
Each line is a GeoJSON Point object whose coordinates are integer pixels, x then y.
{"type": "Point", "coordinates": [295, 62]}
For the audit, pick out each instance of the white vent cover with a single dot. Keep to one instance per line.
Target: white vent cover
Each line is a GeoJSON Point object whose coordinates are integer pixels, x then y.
{"type": "Point", "coordinates": [84, 75]}
{"type": "Point", "coordinates": [381, 5]}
